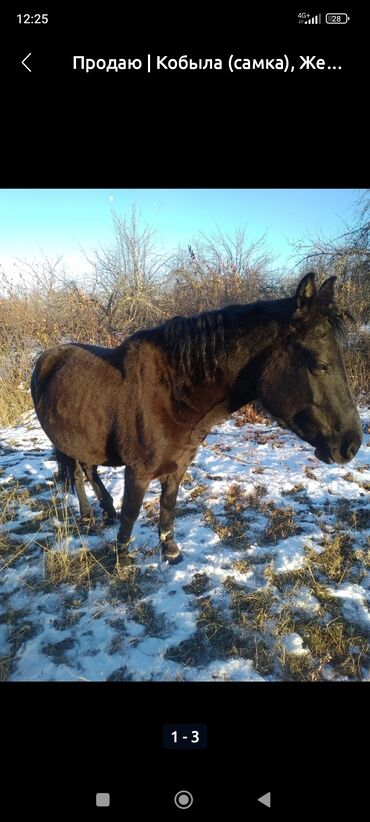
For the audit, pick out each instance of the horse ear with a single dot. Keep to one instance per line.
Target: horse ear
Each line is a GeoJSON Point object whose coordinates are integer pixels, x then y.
{"type": "Point", "coordinates": [326, 292]}
{"type": "Point", "coordinates": [305, 295]}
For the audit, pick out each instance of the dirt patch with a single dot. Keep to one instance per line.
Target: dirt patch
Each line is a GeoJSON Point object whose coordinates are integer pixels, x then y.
{"type": "Point", "coordinates": [281, 525]}
{"type": "Point", "coordinates": [120, 675]}
{"type": "Point", "coordinates": [145, 614]}
{"type": "Point", "coordinates": [58, 650]}
{"type": "Point", "coordinates": [215, 638]}
{"type": "Point", "coordinates": [251, 609]}
{"type": "Point", "coordinates": [232, 530]}
{"type": "Point", "coordinates": [199, 585]}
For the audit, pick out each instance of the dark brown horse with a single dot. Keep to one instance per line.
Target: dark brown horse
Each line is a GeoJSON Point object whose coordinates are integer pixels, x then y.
{"type": "Point", "coordinates": [149, 403]}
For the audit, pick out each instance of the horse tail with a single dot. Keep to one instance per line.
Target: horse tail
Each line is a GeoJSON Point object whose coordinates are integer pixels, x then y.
{"type": "Point", "coordinates": [66, 469]}
{"type": "Point", "coordinates": [34, 385]}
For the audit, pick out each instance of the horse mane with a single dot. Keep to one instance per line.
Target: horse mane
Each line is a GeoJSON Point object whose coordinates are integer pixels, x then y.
{"type": "Point", "coordinates": [338, 318]}
{"type": "Point", "coordinates": [196, 343]}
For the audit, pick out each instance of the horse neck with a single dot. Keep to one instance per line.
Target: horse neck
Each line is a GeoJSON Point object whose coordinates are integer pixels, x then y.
{"type": "Point", "coordinates": [235, 378]}
{"type": "Point", "coordinates": [245, 361]}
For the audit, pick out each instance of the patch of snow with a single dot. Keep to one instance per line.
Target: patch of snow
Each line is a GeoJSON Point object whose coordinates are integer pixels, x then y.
{"type": "Point", "coordinates": [293, 644]}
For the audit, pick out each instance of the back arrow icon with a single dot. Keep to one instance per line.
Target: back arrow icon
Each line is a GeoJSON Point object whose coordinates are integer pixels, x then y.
{"type": "Point", "coordinates": [24, 61]}
{"type": "Point", "coordinates": [265, 799]}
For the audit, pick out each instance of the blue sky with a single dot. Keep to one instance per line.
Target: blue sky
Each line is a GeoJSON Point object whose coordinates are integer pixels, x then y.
{"type": "Point", "coordinates": [64, 221]}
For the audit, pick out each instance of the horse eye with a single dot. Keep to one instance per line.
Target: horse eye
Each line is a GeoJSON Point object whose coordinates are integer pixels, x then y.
{"type": "Point", "coordinates": [319, 368]}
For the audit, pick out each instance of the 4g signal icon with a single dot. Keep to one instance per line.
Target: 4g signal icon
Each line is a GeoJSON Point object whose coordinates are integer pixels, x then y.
{"type": "Point", "coordinates": [314, 20]}
{"type": "Point", "coordinates": [306, 18]}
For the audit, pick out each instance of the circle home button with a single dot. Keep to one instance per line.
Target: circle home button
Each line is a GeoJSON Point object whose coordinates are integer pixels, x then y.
{"type": "Point", "coordinates": [183, 800]}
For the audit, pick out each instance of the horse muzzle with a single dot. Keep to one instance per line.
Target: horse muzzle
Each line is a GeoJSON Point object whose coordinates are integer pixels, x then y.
{"type": "Point", "coordinates": [340, 451]}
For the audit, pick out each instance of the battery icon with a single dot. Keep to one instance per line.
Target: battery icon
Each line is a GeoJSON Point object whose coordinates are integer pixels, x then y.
{"type": "Point", "coordinates": [336, 19]}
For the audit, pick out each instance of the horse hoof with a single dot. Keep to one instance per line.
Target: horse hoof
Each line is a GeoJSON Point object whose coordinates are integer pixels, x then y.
{"type": "Point", "coordinates": [86, 519]}
{"type": "Point", "coordinates": [109, 514]}
{"type": "Point", "coordinates": [108, 519]}
{"type": "Point", "coordinates": [123, 559]}
{"type": "Point", "coordinates": [173, 559]}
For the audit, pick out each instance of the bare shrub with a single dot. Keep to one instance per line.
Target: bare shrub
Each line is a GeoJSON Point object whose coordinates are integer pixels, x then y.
{"type": "Point", "coordinates": [219, 270]}
{"type": "Point", "coordinates": [129, 276]}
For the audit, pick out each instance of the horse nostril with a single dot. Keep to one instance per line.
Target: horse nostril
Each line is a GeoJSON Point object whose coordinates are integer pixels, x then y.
{"type": "Point", "coordinates": [350, 446]}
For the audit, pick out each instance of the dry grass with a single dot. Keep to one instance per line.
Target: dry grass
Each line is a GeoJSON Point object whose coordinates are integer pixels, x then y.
{"type": "Point", "coordinates": [5, 668]}
{"type": "Point", "coordinates": [310, 474]}
{"type": "Point", "coordinates": [335, 559]}
{"type": "Point", "coordinates": [232, 532]}
{"type": "Point", "coordinates": [254, 499]}
{"type": "Point", "coordinates": [359, 518]}
{"type": "Point", "coordinates": [198, 491]}
{"type": "Point", "coordinates": [214, 638]}
{"type": "Point", "coordinates": [199, 585]}
{"type": "Point", "coordinates": [71, 568]}
{"type": "Point", "coordinates": [264, 657]}
{"type": "Point", "coordinates": [331, 642]}
{"type": "Point", "coordinates": [61, 564]}
{"type": "Point", "coordinates": [252, 414]}
{"type": "Point", "coordinates": [14, 400]}
{"type": "Point", "coordinates": [218, 632]}
{"type": "Point", "coordinates": [34, 319]}
{"type": "Point", "coordinates": [242, 565]}
{"type": "Point", "coordinates": [287, 581]}
{"type": "Point", "coordinates": [363, 555]}
{"type": "Point", "coordinates": [235, 500]}
{"type": "Point", "coordinates": [299, 494]}
{"type": "Point", "coordinates": [145, 614]}
{"type": "Point", "coordinates": [12, 497]}
{"type": "Point", "coordinates": [281, 525]}
{"type": "Point", "coordinates": [251, 610]}
{"type": "Point", "coordinates": [357, 363]}
{"type": "Point", "coordinates": [335, 644]}
{"type": "Point", "coordinates": [125, 584]}
{"type": "Point", "coordinates": [296, 666]}
{"type": "Point", "coordinates": [326, 640]}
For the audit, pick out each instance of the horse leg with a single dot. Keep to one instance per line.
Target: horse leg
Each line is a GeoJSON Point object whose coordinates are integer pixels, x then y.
{"type": "Point", "coordinates": [101, 492]}
{"type": "Point", "coordinates": [133, 496]}
{"type": "Point", "coordinates": [170, 486]}
{"type": "Point", "coordinates": [78, 479]}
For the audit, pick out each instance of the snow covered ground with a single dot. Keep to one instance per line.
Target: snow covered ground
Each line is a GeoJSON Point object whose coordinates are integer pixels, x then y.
{"type": "Point", "coordinates": [275, 582]}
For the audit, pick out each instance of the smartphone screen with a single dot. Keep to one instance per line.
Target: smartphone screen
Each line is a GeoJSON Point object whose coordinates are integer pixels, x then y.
{"type": "Point", "coordinates": [184, 412]}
